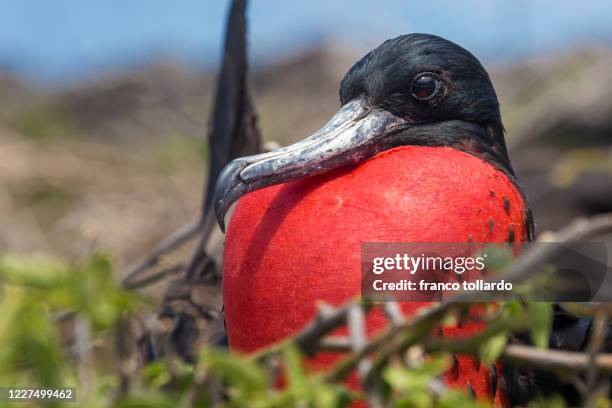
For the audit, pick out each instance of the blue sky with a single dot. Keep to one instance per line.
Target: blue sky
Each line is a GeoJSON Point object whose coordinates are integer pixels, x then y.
{"type": "Point", "coordinates": [66, 40]}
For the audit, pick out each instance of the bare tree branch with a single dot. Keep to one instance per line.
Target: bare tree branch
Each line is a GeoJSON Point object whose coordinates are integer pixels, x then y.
{"type": "Point", "coordinates": [553, 360]}
{"type": "Point", "coordinates": [156, 277]}
{"type": "Point", "coordinates": [175, 240]}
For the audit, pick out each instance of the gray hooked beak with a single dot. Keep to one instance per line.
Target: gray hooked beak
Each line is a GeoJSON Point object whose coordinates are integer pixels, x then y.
{"type": "Point", "coordinates": [355, 133]}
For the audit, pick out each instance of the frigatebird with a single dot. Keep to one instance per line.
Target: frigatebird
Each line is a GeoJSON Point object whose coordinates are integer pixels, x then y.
{"type": "Point", "coordinates": [415, 153]}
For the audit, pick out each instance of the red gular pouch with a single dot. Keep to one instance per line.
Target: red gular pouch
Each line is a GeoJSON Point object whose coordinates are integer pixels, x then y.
{"type": "Point", "coordinates": [290, 246]}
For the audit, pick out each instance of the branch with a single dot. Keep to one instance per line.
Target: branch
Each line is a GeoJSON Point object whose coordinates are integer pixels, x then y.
{"type": "Point", "coordinates": [599, 332]}
{"type": "Point", "coordinates": [358, 340]}
{"type": "Point", "coordinates": [547, 359]}
{"type": "Point", "coordinates": [174, 241]}
{"type": "Point", "coordinates": [157, 276]}
{"type": "Point", "coordinates": [553, 360]}
{"type": "Point", "coordinates": [585, 228]}
{"type": "Point", "coordinates": [326, 320]}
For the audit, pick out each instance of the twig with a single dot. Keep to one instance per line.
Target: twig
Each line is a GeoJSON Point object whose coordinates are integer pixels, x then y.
{"type": "Point", "coordinates": [553, 360]}
{"type": "Point", "coordinates": [199, 253]}
{"type": "Point", "coordinates": [123, 346]}
{"type": "Point", "coordinates": [393, 313]}
{"type": "Point", "coordinates": [157, 276]}
{"type": "Point", "coordinates": [334, 344]}
{"type": "Point", "coordinates": [82, 347]}
{"type": "Point", "coordinates": [324, 323]}
{"type": "Point", "coordinates": [357, 334]}
{"type": "Point", "coordinates": [548, 359]}
{"type": "Point", "coordinates": [599, 332]}
{"type": "Point", "coordinates": [358, 341]}
{"type": "Point", "coordinates": [586, 228]}
{"type": "Point", "coordinates": [417, 328]}
{"type": "Point", "coordinates": [174, 241]}
{"type": "Point", "coordinates": [326, 320]}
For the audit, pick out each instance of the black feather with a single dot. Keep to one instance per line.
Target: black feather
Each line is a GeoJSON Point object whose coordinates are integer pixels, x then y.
{"type": "Point", "coordinates": [233, 131]}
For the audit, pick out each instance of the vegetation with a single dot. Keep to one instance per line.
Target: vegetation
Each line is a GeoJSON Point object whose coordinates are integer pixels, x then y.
{"type": "Point", "coordinates": [63, 325]}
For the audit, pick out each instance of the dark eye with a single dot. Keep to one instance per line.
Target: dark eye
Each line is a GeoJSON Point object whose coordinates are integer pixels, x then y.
{"type": "Point", "coordinates": [425, 86]}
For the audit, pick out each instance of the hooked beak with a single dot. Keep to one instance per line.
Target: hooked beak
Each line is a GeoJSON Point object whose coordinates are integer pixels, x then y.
{"type": "Point", "coordinates": [355, 133]}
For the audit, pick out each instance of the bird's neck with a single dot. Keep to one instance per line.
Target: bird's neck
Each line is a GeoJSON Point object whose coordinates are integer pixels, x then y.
{"type": "Point", "coordinates": [485, 141]}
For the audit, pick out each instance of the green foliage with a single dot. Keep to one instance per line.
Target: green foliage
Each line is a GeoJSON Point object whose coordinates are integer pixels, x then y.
{"type": "Point", "coordinates": [251, 385]}
{"type": "Point", "coordinates": [248, 379]}
{"type": "Point", "coordinates": [55, 286]}
{"type": "Point", "coordinates": [503, 314]}
{"type": "Point", "coordinates": [493, 347]}
{"type": "Point", "coordinates": [38, 292]}
{"type": "Point", "coordinates": [540, 319]}
{"type": "Point", "coordinates": [151, 400]}
{"type": "Point", "coordinates": [554, 402]}
{"type": "Point", "coordinates": [415, 387]}
{"type": "Point", "coordinates": [42, 299]}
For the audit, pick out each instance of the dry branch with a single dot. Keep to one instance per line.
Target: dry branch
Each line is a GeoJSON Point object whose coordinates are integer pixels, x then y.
{"type": "Point", "coordinates": [175, 240]}
{"type": "Point", "coordinates": [553, 360]}
{"type": "Point", "coordinates": [156, 277]}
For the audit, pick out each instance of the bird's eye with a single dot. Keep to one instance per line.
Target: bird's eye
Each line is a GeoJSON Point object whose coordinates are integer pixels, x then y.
{"type": "Point", "coordinates": [425, 86]}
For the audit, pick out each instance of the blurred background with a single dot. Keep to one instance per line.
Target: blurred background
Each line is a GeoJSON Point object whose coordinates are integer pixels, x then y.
{"type": "Point", "coordinates": [104, 104]}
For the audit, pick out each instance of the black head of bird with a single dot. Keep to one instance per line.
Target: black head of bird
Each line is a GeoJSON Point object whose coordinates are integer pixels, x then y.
{"type": "Point", "coordinates": [416, 89]}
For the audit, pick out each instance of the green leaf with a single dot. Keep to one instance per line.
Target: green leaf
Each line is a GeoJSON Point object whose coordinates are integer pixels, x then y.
{"type": "Point", "coordinates": [551, 402]}
{"type": "Point", "coordinates": [513, 309]}
{"type": "Point", "coordinates": [37, 271]}
{"type": "Point", "coordinates": [151, 400]}
{"type": "Point", "coordinates": [539, 319]}
{"type": "Point", "coordinates": [156, 373]}
{"type": "Point", "coordinates": [331, 396]}
{"type": "Point", "coordinates": [245, 376]}
{"type": "Point", "coordinates": [94, 291]}
{"type": "Point", "coordinates": [459, 399]}
{"type": "Point", "coordinates": [296, 377]}
{"type": "Point", "coordinates": [401, 378]}
{"type": "Point", "coordinates": [491, 349]}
